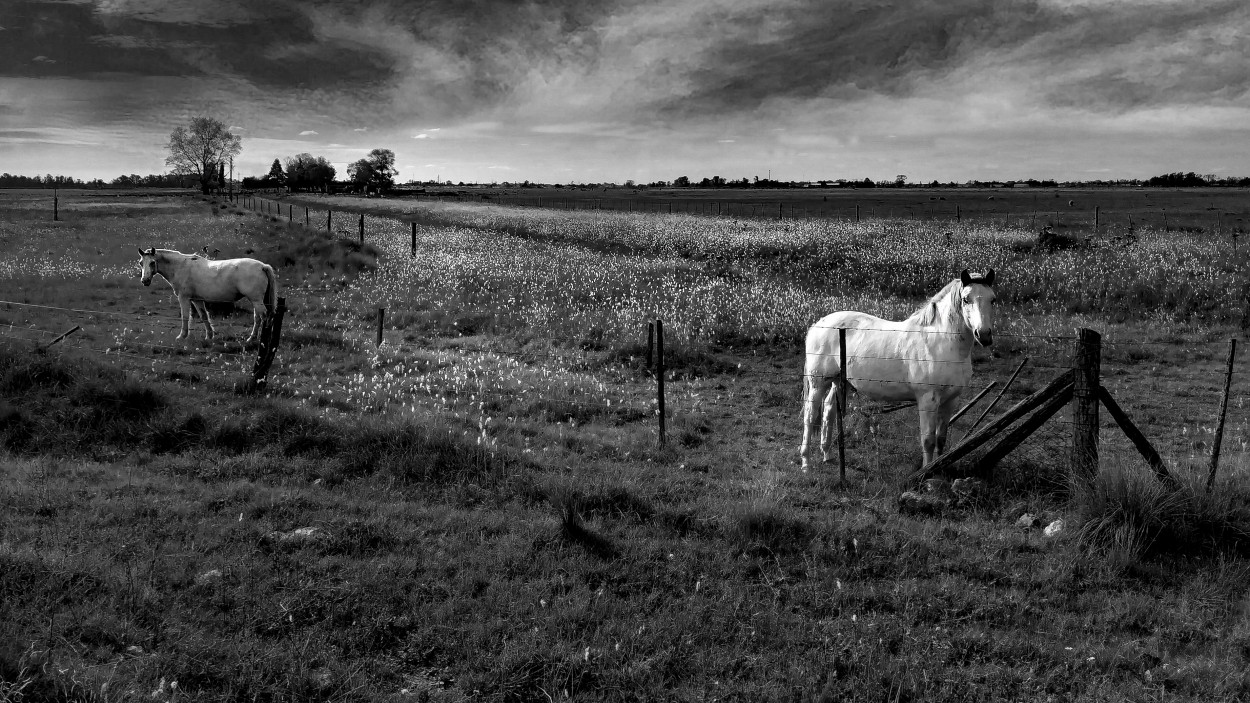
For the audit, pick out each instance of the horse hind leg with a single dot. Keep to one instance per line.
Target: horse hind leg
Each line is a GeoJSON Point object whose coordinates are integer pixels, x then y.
{"type": "Point", "coordinates": [257, 316]}
{"type": "Point", "coordinates": [815, 389]}
{"type": "Point", "coordinates": [202, 309]}
{"type": "Point", "coordinates": [830, 419]}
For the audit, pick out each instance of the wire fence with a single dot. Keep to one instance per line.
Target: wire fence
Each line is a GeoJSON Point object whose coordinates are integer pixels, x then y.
{"type": "Point", "coordinates": [1050, 354]}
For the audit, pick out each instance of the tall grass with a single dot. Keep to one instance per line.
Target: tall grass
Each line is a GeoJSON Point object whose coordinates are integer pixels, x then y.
{"type": "Point", "coordinates": [1127, 513]}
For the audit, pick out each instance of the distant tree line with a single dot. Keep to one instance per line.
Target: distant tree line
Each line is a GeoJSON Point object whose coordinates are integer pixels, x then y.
{"type": "Point", "coordinates": [1193, 180]}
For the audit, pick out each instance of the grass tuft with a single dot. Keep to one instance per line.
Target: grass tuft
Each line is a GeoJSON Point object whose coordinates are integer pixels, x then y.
{"type": "Point", "coordinates": [1130, 515]}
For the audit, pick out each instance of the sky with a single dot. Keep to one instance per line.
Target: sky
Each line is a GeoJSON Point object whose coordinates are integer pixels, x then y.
{"type": "Point", "coordinates": [561, 91]}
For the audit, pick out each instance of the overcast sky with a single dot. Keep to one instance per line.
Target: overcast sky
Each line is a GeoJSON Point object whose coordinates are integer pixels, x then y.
{"type": "Point", "coordinates": [573, 90]}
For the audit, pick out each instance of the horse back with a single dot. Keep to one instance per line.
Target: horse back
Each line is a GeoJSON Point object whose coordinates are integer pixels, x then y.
{"type": "Point", "coordinates": [224, 280]}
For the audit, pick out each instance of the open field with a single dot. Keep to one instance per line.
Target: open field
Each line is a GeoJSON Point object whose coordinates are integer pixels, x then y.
{"type": "Point", "coordinates": [1028, 207]}
{"type": "Point", "coordinates": [495, 518]}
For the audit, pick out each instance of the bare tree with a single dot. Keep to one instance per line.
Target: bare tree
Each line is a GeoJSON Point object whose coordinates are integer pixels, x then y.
{"type": "Point", "coordinates": [201, 149]}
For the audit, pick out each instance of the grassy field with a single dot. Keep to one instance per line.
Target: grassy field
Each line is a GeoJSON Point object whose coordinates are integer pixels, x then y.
{"type": "Point", "coordinates": [493, 518]}
{"type": "Point", "coordinates": [1065, 208]}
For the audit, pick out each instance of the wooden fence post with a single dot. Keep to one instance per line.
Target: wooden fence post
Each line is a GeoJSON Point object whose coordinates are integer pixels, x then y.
{"type": "Point", "coordinates": [857, 212]}
{"type": "Point", "coordinates": [381, 319]}
{"type": "Point", "coordinates": [329, 215]}
{"type": "Point", "coordinates": [362, 228]}
{"type": "Point", "coordinates": [1219, 426]}
{"type": "Point", "coordinates": [1095, 219]}
{"type": "Point", "coordinates": [1085, 403]}
{"type": "Point", "coordinates": [305, 217]}
{"type": "Point", "coordinates": [414, 240]}
{"type": "Point", "coordinates": [56, 207]}
{"type": "Point", "coordinates": [659, 374]}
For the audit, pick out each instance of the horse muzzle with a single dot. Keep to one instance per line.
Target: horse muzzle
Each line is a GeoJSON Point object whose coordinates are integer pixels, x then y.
{"type": "Point", "coordinates": [147, 281]}
{"type": "Point", "coordinates": [984, 337]}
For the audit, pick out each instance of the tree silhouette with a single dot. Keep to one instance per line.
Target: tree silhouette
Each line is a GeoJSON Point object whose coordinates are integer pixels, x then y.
{"type": "Point", "coordinates": [199, 150]}
{"type": "Point", "coordinates": [376, 171]}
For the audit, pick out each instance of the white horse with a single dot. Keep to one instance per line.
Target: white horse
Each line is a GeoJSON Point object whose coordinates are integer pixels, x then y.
{"type": "Point", "coordinates": [197, 281]}
{"type": "Point", "coordinates": [926, 358]}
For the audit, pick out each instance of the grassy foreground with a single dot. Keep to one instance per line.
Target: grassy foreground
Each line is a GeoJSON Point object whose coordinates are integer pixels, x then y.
{"type": "Point", "coordinates": [149, 549]}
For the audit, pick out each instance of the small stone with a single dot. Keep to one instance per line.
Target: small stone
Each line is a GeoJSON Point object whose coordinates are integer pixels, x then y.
{"type": "Point", "coordinates": [968, 487]}
{"type": "Point", "coordinates": [1053, 528]}
{"type": "Point", "coordinates": [208, 577]}
{"type": "Point", "coordinates": [134, 650]}
{"type": "Point", "coordinates": [297, 536]}
{"type": "Point", "coordinates": [1028, 521]}
{"type": "Point", "coordinates": [938, 487]}
{"type": "Point", "coordinates": [920, 503]}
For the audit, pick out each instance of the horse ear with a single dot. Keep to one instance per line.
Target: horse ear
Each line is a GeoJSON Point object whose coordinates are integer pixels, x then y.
{"type": "Point", "coordinates": [988, 278]}
{"type": "Point", "coordinates": [965, 278]}
{"type": "Point", "coordinates": [142, 252]}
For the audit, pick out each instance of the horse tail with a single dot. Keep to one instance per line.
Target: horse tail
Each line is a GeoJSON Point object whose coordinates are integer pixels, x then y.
{"type": "Point", "coordinates": [271, 289]}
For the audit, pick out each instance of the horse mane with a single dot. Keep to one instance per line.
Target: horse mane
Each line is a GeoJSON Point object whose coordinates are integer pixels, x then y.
{"type": "Point", "coordinates": [169, 253]}
{"type": "Point", "coordinates": [928, 314]}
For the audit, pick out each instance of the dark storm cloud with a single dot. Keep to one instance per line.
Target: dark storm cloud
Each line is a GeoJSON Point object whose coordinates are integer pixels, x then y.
{"type": "Point", "coordinates": [454, 57]}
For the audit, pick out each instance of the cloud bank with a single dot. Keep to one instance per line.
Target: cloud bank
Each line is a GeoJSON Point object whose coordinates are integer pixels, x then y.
{"type": "Point", "coordinates": [649, 89]}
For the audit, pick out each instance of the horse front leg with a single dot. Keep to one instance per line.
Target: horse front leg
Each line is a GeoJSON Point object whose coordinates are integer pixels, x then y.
{"type": "Point", "coordinates": [816, 387]}
{"type": "Point", "coordinates": [927, 406]}
{"type": "Point", "coordinates": [942, 424]}
{"type": "Point", "coordinates": [184, 306]}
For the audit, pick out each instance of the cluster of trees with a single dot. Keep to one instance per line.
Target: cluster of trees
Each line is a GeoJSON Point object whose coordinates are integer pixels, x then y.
{"type": "Point", "coordinates": [374, 173]}
{"type": "Point", "coordinates": [302, 172]}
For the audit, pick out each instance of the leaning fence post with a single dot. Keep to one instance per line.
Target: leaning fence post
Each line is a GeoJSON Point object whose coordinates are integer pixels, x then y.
{"type": "Point", "coordinates": [659, 374]}
{"type": "Point", "coordinates": [305, 217]}
{"type": "Point", "coordinates": [1219, 426]}
{"type": "Point", "coordinates": [997, 397]}
{"type": "Point", "coordinates": [381, 319]}
{"type": "Point", "coordinates": [270, 335]}
{"type": "Point", "coordinates": [1085, 403]}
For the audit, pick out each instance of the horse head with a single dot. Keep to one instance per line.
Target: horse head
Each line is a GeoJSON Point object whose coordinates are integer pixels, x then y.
{"type": "Point", "coordinates": [976, 298]}
{"type": "Point", "coordinates": [147, 265]}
